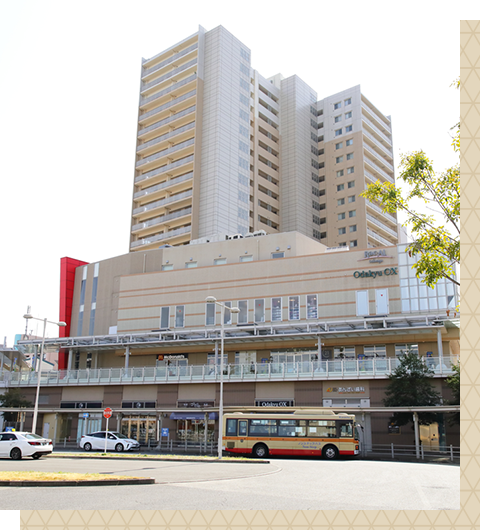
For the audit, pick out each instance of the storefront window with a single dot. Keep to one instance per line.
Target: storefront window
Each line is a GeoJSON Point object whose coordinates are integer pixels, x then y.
{"type": "Point", "coordinates": [312, 306]}
{"type": "Point", "coordinates": [276, 309]}
{"type": "Point", "coordinates": [294, 308]}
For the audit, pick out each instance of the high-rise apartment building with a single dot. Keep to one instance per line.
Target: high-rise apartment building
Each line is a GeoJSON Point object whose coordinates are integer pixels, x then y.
{"type": "Point", "coordinates": [223, 150]}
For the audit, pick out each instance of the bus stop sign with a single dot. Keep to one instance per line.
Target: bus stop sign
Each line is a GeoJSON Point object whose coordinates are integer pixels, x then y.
{"type": "Point", "coordinates": [107, 413]}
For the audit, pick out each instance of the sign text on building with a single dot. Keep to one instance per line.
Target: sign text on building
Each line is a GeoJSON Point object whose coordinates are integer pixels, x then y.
{"type": "Point", "coordinates": [389, 271]}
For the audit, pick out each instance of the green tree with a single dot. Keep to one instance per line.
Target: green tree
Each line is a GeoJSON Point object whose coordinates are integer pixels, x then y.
{"type": "Point", "coordinates": [410, 385]}
{"type": "Point", "coordinates": [12, 398]}
{"type": "Point", "coordinates": [453, 382]}
{"type": "Point", "coordinates": [437, 243]}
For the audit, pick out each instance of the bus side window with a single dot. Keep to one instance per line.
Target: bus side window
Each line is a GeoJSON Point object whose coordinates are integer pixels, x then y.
{"type": "Point", "coordinates": [242, 428]}
{"type": "Point", "coordinates": [231, 427]}
{"type": "Point", "coordinates": [346, 430]}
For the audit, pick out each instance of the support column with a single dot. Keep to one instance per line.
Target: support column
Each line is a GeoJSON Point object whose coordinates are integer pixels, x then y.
{"type": "Point", "coordinates": [55, 429]}
{"type": "Point", "coordinates": [70, 357]}
{"type": "Point", "coordinates": [95, 360]}
{"type": "Point", "coordinates": [417, 436]}
{"type": "Point", "coordinates": [216, 355]}
{"type": "Point", "coordinates": [206, 431]}
{"type": "Point", "coordinates": [319, 346]}
{"type": "Point", "coordinates": [127, 356]}
{"type": "Point", "coordinates": [440, 346]}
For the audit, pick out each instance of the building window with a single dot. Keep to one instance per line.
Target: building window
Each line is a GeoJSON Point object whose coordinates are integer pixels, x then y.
{"type": "Point", "coordinates": [243, 315]}
{"type": "Point", "coordinates": [401, 349]}
{"type": "Point", "coordinates": [348, 115]}
{"type": "Point", "coordinates": [349, 128]}
{"type": "Point", "coordinates": [312, 306]}
{"type": "Point", "coordinates": [342, 231]}
{"type": "Point", "coordinates": [350, 170]}
{"type": "Point", "coordinates": [323, 235]}
{"type": "Point", "coordinates": [220, 261]}
{"type": "Point", "coordinates": [344, 352]}
{"type": "Point", "coordinates": [339, 145]}
{"type": "Point", "coordinates": [259, 310]}
{"type": "Point", "coordinates": [340, 173]}
{"type": "Point", "coordinates": [340, 202]}
{"type": "Point", "coordinates": [167, 267]}
{"type": "Point", "coordinates": [351, 198]}
{"type": "Point", "coordinates": [227, 317]}
{"type": "Point", "coordinates": [340, 187]}
{"type": "Point", "coordinates": [276, 309]}
{"type": "Point", "coordinates": [180, 316]}
{"type": "Point", "coordinates": [349, 142]}
{"type": "Point", "coordinates": [352, 213]}
{"type": "Point", "coordinates": [353, 243]}
{"type": "Point", "coordinates": [246, 258]}
{"type": "Point", "coordinates": [378, 350]}
{"type": "Point", "coordinates": [191, 264]}
{"type": "Point", "coordinates": [339, 159]}
{"type": "Point", "coordinates": [341, 216]}
{"type": "Point", "coordinates": [164, 318]}
{"type": "Point", "coordinates": [349, 156]}
{"type": "Point", "coordinates": [353, 228]}
{"type": "Point", "coordinates": [338, 118]}
{"type": "Point", "coordinates": [210, 314]}
{"type": "Point", "coordinates": [337, 105]}
{"type": "Point", "coordinates": [338, 132]}
{"type": "Point", "coordinates": [294, 308]}
{"type": "Point", "coordinates": [342, 244]}
{"type": "Point", "coordinates": [381, 301]}
{"type": "Point", "coordinates": [276, 255]}
{"type": "Point", "coordinates": [348, 101]}
{"type": "Point", "coordinates": [351, 184]}
{"type": "Point", "coordinates": [362, 303]}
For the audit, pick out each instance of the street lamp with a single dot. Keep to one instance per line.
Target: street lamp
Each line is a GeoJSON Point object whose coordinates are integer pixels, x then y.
{"type": "Point", "coordinates": [39, 371]}
{"type": "Point", "coordinates": [213, 300]}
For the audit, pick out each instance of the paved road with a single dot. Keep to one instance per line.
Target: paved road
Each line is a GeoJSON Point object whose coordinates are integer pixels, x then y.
{"type": "Point", "coordinates": [286, 484]}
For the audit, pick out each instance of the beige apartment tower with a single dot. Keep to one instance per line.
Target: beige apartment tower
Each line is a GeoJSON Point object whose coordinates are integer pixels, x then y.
{"type": "Point", "coordinates": [223, 151]}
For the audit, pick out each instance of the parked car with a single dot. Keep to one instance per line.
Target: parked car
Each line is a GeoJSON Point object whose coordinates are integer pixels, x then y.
{"type": "Point", "coordinates": [115, 441]}
{"type": "Point", "coordinates": [19, 444]}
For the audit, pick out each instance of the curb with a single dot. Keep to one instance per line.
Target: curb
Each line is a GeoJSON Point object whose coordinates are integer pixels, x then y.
{"type": "Point", "coordinates": [154, 459]}
{"type": "Point", "coordinates": [56, 483]}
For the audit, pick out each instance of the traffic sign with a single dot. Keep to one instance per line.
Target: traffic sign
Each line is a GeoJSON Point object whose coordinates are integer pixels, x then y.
{"type": "Point", "coordinates": [107, 413]}
{"type": "Point", "coordinates": [164, 432]}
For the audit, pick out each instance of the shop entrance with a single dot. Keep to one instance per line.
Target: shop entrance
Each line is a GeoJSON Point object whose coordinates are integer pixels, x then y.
{"type": "Point", "coordinates": [87, 424]}
{"type": "Point", "coordinates": [140, 428]}
{"type": "Point", "coordinates": [194, 430]}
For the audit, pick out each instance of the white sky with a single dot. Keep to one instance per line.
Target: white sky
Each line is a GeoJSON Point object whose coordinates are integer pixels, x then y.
{"type": "Point", "coordinates": [69, 95]}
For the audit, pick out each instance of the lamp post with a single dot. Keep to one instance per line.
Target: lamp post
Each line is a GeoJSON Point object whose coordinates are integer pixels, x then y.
{"type": "Point", "coordinates": [39, 371]}
{"type": "Point", "coordinates": [213, 300]}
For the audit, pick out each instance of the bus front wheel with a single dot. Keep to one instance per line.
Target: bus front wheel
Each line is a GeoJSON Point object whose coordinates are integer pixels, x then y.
{"type": "Point", "coordinates": [260, 451]}
{"type": "Point", "coordinates": [330, 452]}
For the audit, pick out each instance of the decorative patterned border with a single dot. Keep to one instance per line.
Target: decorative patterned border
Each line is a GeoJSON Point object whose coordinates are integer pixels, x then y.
{"type": "Point", "coordinates": [468, 516]}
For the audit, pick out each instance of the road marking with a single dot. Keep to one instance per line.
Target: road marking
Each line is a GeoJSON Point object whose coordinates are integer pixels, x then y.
{"type": "Point", "coordinates": [421, 494]}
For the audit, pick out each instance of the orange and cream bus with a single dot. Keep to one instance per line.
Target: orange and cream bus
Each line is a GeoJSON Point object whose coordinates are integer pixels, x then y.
{"type": "Point", "coordinates": [314, 432]}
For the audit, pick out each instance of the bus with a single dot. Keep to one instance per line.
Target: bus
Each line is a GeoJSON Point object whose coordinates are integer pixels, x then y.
{"type": "Point", "coordinates": [305, 433]}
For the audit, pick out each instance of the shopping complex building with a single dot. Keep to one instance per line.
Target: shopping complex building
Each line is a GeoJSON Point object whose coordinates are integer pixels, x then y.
{"type": "Point", "coordinates": [316, 327]}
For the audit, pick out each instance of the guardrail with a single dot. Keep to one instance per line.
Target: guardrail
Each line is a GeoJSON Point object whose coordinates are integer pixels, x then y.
{"type": "Point", "coordinates": [392, 451]}
{"type": "Point", "coordinates": [308, 370]}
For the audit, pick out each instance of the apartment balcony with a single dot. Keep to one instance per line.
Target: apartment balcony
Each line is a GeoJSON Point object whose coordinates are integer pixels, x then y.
{"type": "Point", "coordinates": [269, 117]}
{"type": "Point", "coordinates": [161, 127]}
{"type": "Point", "coordinates": [161, 142]}
{"type": "Point", "coordinates": [378, 172]}
{"type": "Point", "coordinates": [172, 237]}
{"type": "Point", "coordinates": [176, 89]}
{"type": "Point", "coordinates": [378, 122]}
{"type": "Point", "coordinates": [151, 226]}
{"type": "Point", "coordinates": [175, 105]}
{"type": "Point", "coordinates": [383, 150]}
{"type": "Point", "coordinates": [172, 170]}
{"type": "Point", "coordinates": [378, 159]}
{"type": "Point", "coordinates": [183, 55]}
{"type": "Point", "coordinates": [175, 185]}
{"type": "Point", "coordinates": [388, 217]}
{"type": "Point", "coordinates": [354, 369]}
{"type": "Point", "coordinates": [180, 150]}
{"type": "Point", "coordinates": [179, 200]}
{"type": "Point", "coordinates": [379, 239]}
{"type": "Point", "coordinates": [155, 85]}
{"type": "Point", "coordinates": [378, 225]}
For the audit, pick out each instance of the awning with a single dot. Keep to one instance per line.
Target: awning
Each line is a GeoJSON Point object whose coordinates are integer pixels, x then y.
{"type": "Point", "coordinates": [193, 415]}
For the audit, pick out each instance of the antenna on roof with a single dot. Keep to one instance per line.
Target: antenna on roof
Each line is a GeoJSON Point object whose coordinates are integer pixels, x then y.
{"type": "Point", "coordinates": [26, 320]}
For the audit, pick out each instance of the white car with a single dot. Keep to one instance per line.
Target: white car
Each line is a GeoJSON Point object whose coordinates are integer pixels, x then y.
{"type": "Point", "coordinates": [116, 441]}
{"type": "Point", "coordinates": [16, 445]}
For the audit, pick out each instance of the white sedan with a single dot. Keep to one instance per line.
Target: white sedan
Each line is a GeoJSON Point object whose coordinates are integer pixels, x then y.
{"type": "Point", "coordinates": [15, 445]}
{"type": "Point", "coordinates": [115, 441]}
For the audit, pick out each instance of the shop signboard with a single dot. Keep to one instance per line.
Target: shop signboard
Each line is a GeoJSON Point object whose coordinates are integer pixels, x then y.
{"type": "Point", "coordinates": [274, 402]}
{"type": "Point", "coordinates": [200, 404]}
{"type": "Point", "coordinates": [172, 357]}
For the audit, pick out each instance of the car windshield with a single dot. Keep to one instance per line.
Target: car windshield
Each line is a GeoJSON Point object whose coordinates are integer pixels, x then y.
{"type": "Point", "coordinates": [31, 436]}
{"type": "Point", "coordinates": [119, 435]}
